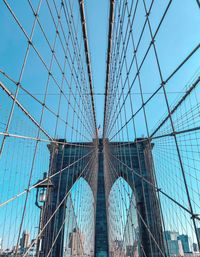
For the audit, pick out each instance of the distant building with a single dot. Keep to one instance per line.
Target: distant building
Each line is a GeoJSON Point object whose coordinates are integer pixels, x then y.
{"type": "Point", "coordinates": [198, 233]}
{"type": "Point", "coordinates": [174, 235]}
{"type": "Point", "coordinates": [185, 243]}
{"type": "Point", "coordinates": [117, 249]}
{"type": "Point", "coordinates": [171, 235]}
{"type": "Point", "coordinates": [175, 248]}
{"type": "Point", "coordinates": [24, 241]}
{"type": "Point", "coordinates": [32, 251]}
{"type": "Point", "coordinates": [195, 247]}
{"type": "Point", "coordinates": [76, 243]}
{"type": "Point", "coordinates": [173, 244]}
{"type": "Point", "coordinates": [132, 250]}
{"type": "Point", "coordinates": [129, 251]}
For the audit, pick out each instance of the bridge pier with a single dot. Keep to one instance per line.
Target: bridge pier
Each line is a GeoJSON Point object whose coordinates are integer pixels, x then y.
{"type": "Point", "coordinates": [101, 229]}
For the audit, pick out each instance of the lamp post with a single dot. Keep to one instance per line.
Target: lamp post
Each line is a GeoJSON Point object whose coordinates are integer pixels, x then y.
{"type": "Point", "coordinates": [41, 196]}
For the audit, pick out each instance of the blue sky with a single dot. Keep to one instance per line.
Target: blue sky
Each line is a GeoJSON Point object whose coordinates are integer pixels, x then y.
{"type": "Point", "coordinates": [173, 45]}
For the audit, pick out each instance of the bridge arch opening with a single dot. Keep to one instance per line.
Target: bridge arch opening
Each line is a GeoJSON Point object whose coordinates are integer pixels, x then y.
{"type": "Point", "coordinates": [122, 216]}
{"type": "Point", "coordinates": [79, 226]}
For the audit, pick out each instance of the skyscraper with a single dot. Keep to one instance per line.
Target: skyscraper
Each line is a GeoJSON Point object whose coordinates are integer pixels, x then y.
{"type": "Point", "coordinates": [195, 247]}
{"type": "Point", "coordinates": [174, 245]}
{"type": "Point", "coordinates": [175, 248]}
{"type": "Point", "coordinates": [24, 242]}
{"type": "Point", "coordinates": [76, 242]}
{"type": "Point", "coordinates": [198, 233]}
{"type": "Point", "coordinates": [185, 243]}
{"type": "Point", "coordinates": [171, 235]}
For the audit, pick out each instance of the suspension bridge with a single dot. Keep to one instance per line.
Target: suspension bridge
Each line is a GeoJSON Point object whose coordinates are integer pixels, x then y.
{"type": "Point", "coordinates": [129, 187]}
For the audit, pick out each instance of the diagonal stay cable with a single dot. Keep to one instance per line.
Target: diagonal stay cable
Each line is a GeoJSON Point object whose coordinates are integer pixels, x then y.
{"type": "Point", "coordinates": [158, 89]}
{"type": "Point", "coordinates": [44, 180]}
{"type": "Point", "coordinates": [61, 227]}
{"type": "Point", "coordinates": [154, 187]}
{"type": "Point", "coordinates": [53, 214]}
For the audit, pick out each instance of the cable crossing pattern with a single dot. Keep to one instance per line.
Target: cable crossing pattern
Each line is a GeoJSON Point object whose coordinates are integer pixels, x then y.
{"type": "Point", "coordinates": [65, 189]}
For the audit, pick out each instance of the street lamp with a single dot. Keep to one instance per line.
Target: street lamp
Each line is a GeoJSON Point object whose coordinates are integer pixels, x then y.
{"type": "Point", "coordinates": [41, 192]}
{"type": "Point", "coordinates": [41, 196]}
